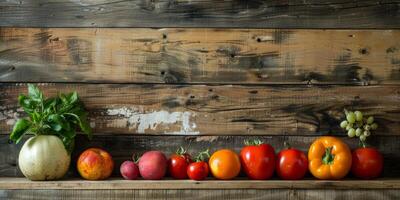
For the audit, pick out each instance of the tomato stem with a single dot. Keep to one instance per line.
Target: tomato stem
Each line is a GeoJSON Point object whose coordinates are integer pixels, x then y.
{"type": "Point", "coordinates": [328, 157]}
{"type": "Point", "coordinates": [253, 142]}
{"type": "Point", "coordinates": [287, 145]}
{"type": "Point", "coordinates": [180, 151]}
{"type": "Point", "coordinates": [202, 156]}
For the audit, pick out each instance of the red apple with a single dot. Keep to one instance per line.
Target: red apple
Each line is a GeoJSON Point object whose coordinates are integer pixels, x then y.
{"type": "Point", "coordinates": [153, 165]}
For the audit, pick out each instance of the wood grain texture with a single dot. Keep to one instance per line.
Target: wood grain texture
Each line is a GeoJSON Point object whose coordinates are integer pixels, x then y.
{"type": "Point", "coordinates": [275, 194]}
{"type": "Point", "coordinates": [120, 184]}
{"type": "Point", "coordinates": [229, 56]}
{"type": "Point", "coordinates": [219, 110]}
{"type": "Point", "coordinates": [202, 13]}
{"type": "Point", "coordinates": [122, 148]}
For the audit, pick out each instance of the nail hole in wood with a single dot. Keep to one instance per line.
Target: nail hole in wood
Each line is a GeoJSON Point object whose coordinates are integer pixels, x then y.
{"type": "Point", "coordinates": [258, 39]}
{"type": "Point", "coordinates": [192, 96]}
{"type": "Point", "coordinates": [253, 92]}
{"type": "Point", "coordinates": [164, 36]}
{"type": "Point", "coordinates": [162, 72]}
{"type": "Point", "coordinates": [363, 51]}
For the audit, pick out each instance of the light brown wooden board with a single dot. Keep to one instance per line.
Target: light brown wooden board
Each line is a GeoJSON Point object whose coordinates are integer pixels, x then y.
{"type": "Point", "coordinates": [121, 184]}
{"type": "Point", "coordinates": [122, 148]}
{"type": "Point", "coordinates": [201, 55]}
{"type": "Point", "coordinates": [204, 13]}
{"type": "Point", "coordinates": [219, 110]}
{"type": "Point", "coordinates": [276, 194]}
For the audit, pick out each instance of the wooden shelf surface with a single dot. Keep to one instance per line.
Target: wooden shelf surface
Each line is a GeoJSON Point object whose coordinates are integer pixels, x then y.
{"type": "Point", "coordinates": [115, 183]}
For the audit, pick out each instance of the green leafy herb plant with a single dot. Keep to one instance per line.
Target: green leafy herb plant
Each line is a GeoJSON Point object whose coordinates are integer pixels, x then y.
{"type": "Point", "coordinates": [60, 116]}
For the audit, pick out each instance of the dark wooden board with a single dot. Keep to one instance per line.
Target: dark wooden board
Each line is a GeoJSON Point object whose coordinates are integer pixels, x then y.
{"type": "Point", "coordinates": [228, 56]}
{"type": "Point", "coordinates": [239, 194]}
{"type": "Point", "coordinates": [204, 13]}
{"type": "Point", "coordinates": [122, 147]}
{"type": "Point", "coordinates": [7, 183]}
{"type": "Point", "coordinates": [219, 110]}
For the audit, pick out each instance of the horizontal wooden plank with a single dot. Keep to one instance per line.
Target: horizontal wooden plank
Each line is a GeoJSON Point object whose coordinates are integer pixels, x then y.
{"type": "Point", "coordinates": [234, 56]}
{"type": "Point", "coordinates": [239, 194]}
{"type": "Point", "coordinates": [120, 184]}
{"type": "Point", "coordinates": [219, 110]}
{"type": "Point", "coordinates": [122, 148]}
{"type": "Point", "coordinates": [204, 13]}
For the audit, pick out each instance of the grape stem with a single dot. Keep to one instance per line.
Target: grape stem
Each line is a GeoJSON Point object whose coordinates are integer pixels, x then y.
{"type": "Point", "coordinates": [362, 144]}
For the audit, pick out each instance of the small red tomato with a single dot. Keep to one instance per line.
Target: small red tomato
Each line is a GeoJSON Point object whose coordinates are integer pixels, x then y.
{"type": "Point", "coordinates": [292, 164]}
{"type": "Point", "coordinates": [177, 166]}
{"type": "Point", "coordinates": [258, 160]}
{"type": "Point", "coordinates": [367, 163]}
{"type": "Point", "coordinates": [198, 170]}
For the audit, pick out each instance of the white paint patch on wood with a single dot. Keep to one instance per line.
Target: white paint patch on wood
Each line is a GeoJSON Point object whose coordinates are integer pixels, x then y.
{"type": "Point", "coordinates": [143, 121]}
{"type": "Point", "coordinates": [10, 116]}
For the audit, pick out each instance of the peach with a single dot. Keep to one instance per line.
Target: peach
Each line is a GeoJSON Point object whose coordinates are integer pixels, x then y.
{"type": "Point", "coordinates": [95, 164]}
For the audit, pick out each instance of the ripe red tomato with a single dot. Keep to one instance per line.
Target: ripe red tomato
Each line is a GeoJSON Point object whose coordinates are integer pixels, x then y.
{"type": "Point", "coordinates": [178, 164]}
{"type": "Point", "coordinates": [367, 163]}
{"type": "Point", "coordinates": [197, 170]}
{"type": "Point", "coordinates": [258, 161]}
{"type": "Point", "coordinates": [292, 164]}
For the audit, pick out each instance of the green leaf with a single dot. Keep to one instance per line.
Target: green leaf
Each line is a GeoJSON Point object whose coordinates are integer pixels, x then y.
{"type": "Point", "coordinates": [20, 128]}
{"type": "Point", "coordinates": [58, 122]}
{"type": "Point", "coordinates": [73, 97]}
{"type": "Point", "coordinates": [49, 105]}
{"type": "Point", "coordinates": [56, 127]}
{"type": "Point", "coordinates": [34, 93]}
{"type": "Point", "coordinates": [60, 115]}
{"type": "Point", "coordinates": [83, 123]}
{"type": "Point", "coordinates": [27, 104]}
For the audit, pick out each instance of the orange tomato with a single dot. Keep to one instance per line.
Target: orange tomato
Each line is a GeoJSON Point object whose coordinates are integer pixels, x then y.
{"type": "Point", "coordinates": [95, 164]}
{"type": "Point", "coordinates": [224, 164]}
{"type": "Point", "coordinates": [329, 158]}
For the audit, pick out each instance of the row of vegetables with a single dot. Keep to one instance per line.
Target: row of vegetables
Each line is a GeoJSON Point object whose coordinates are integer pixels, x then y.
{"type": "Point", "coordinates": [53, 122]}
{"type": "Point", "coordinates": [328, 158]}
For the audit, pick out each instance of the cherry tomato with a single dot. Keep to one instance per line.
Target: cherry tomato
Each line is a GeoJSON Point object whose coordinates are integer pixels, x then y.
{"type": "Point", "coordinates": [178, 164]}
{"type": "Point", "coordinates": [197, 170]}
{"type": "Point", "coordinates": [258, 160]}
{"type": "Point", "coordinates": [292, 164]}
{"type": "Point", "coordinates": [224, 164]}
{"type": "Point", "coordinates": [367, 163]}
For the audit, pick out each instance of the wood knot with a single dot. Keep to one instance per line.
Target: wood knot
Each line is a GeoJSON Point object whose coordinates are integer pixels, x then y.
{"type": "Point", "coordinates": [364, 51]}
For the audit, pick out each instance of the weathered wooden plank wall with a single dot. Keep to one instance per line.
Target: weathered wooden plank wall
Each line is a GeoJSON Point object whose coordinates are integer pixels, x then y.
{"type": "Point", "coordinates": [219, 110]}
{"type": "Point", "coordinates": [223, 71]}
{"type": "Point", "coordinates": [235, 56]}
{"type": "Point", "coordinates": [201, 13]}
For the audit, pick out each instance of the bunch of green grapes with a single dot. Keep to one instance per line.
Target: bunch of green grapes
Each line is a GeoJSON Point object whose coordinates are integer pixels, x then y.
{"type": "Point", "coordinates": [358, 125]}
